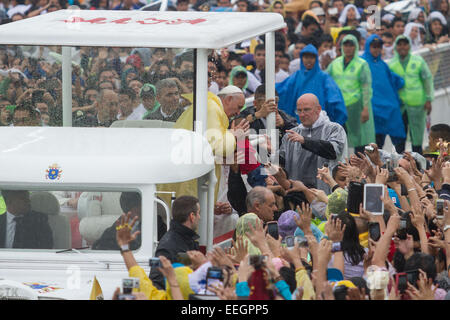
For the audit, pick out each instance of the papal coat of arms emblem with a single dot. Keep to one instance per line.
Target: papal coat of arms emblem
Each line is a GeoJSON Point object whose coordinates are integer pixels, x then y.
{"type": "Point", "coordinates": [53, 172]}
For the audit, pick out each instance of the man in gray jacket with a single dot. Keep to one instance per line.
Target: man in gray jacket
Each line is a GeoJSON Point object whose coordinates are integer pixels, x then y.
{"type": "Point", "coordinates": [313, 143]}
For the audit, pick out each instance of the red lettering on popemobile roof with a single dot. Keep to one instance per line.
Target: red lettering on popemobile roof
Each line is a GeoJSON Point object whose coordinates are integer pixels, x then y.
{"type": "Point", "coordinates": [126, 20]}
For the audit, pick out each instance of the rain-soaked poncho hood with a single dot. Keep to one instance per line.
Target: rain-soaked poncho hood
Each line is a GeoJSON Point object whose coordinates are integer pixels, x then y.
{"type": "Point", "coordinates": [401, 37]}
{"type": "Point", "coordinates": [233, 73]}
{"type": "Point", "coordinates": [337, 202]}
{"type": "Point", "coordinates": [242, 227]}
{"type": "Point", "coordinates": [353, 39]}
{"type": "Point", "coordinates": [270, 9]}
{"type": "Point", "coordinates": [343, 16]}
{"type": "Point", "coordinates": [367, 55]}
{"type": "Point", "coordinates": [312, 81]}
{"type": "Point", "coordinates": [416, 43]}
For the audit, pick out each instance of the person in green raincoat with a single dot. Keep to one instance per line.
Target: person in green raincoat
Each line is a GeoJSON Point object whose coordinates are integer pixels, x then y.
{"type": "Point", "coordinates": [239, 78]}
{"type": "Point", "coordinates": [148, 97]}
{"type": "Point", "coordinates": [353, 77]}
{"type": "Point", "coordinates": [418, 92]}
{"type": "Point", "coordinates": [2, 205]}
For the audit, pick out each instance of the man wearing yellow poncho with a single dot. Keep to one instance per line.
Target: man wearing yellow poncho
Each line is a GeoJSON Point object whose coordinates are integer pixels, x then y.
{"type": "Point", "coordinates": [221, 108]}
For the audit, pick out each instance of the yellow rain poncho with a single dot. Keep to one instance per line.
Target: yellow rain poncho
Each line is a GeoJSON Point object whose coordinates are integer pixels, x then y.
{"type": "Point", "coordinates": [222, 141]}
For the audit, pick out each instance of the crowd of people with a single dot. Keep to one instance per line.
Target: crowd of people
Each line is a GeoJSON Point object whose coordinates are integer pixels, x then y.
{"type": "Point", "coordinates": [321, 248]}
{"type": "Point", "coordinates": [341, 81]}
{"type": "Point", "coordinates": [337, 50]}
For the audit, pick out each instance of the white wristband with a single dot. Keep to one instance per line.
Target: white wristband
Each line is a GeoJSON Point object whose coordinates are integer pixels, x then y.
{"type": "Point", "coordinates": [124, 247]}
{"type": "Point", "coordinates": [446, 227]}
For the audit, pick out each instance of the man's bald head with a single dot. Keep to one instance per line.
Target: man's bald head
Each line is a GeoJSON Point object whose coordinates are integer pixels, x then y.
{"type": "Point", "coordinates": [308, 109]}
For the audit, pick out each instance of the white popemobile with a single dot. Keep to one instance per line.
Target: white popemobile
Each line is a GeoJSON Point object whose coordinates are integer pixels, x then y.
{"type": "Point", "coordinates": [47, 160]}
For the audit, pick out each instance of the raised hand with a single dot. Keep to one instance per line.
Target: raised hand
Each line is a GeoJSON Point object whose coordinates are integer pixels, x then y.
{"type": "Point", "coordinates": [123, 229]}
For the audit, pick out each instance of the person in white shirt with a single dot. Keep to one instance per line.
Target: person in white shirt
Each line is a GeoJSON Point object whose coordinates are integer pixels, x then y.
{"type": "Point", "coordinates": [280, 74]}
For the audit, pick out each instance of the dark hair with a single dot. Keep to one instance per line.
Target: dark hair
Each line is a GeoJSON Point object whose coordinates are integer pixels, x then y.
{"type": "Point", "coordinates": [26, 105]}
{"type": "Point", "coordinates": [397, 19]}
{"type": "Point", "coordinates": [188, 75]}
{"type": "Point", "coordinates": [351, 247]}
{"type": "Point", "coordinates": [305, 40]}
{"type": "Point", "coordinates": [352, 32]}
{"type": "Point", "coordinates": [289, 276]}
{"type": "Point", "coordinates": [385, 23]}
{"type": "Point", "coordinates": [420, 260]}
{"type": "Point", "coordinates": [261, 89]}
{"type": "Point", "coordinates": [260, 47]}
{"type": "Point", "coordinates": [334, 172]}
{"type": "Point", "coordinates": [279, 47]}
{"type": "Point", "coordinates": [295, 198]}
{"type": "Point", "coordinates": [316, 1]}
{"type": "Point", "coordinates": [233, 56]}
{"type": "Point", "coordinates": [8, 195]}
{"type": "Point", "coordinates": [441, 130]}
{"type": "Point", "coordinates": [130, 200]}
{"type": "Point", "coordinates": [182, 208]}
{"type": "Point", "coordinates": [185, 56]}
{"type": "Point", "coordinates": [361, 283]}
{"type": "Point", "coordinates": [241, 74]}
{"type": "Point", "coordinates": [308, 20]}
{"type": "Point", "coordinates": [129, 92]}
{"type": "Point", "coordinates": [387, 35]}
{"type": "Point", "coordinates": [326, 38]}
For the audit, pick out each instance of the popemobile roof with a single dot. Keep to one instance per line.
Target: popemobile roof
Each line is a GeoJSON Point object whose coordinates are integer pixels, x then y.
{"type": "Point", "coordinates": [58, 158]}
{"type": "Point", "coordinates": [168, 29]}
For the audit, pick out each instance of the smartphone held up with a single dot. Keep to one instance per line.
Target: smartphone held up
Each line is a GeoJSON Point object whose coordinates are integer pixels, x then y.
{"type": "Point", "coordinates": [373, 194]}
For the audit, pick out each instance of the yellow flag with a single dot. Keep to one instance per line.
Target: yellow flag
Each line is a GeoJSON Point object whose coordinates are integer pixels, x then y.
{"type": "Point", "coordinates": [96, 292]}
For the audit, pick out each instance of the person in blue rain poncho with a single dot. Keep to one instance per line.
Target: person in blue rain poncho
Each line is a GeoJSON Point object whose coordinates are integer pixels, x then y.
{"type": "Point", "coordinates": [311, 79]}
{"type": "Point", "coordinates": [385, 99]}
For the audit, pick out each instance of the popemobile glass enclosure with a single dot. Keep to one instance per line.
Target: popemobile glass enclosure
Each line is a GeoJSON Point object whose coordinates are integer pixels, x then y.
{"type": "Point", "coordinates": [74, 170]}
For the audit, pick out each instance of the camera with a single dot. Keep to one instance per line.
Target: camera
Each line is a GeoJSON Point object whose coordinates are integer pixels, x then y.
{"type": "Point", "coordinates": [392, 175]}
{"type": "Point", "coordinates": [302, 241]}
{"type": "Point", "coordinates": [401, 231]}
{"type": "Point", "coordinates": [369, 148]}
{"type": "Point", "coordinates": [154, 263]}
{"type": "Point", "coordinates": [214, 273]}
{"type": "Point", "coordinates": [128, 284]}
{"type": "Point", "coordinates": [440, 209]}
{"type": "Point", "coordinates": [374, 231]}
{"type": "Point", "coordinates": [403, 278]}
{"type": "Point", "coordinates": [290, 241]}
{"type": "Point", "coordinates": [272, 229]}
{"type": "Point", "coordinates": [355, 196]}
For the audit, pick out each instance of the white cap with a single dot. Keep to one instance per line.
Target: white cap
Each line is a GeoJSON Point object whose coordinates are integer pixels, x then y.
{"type": "Point", "coordinates": [230, 90]}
